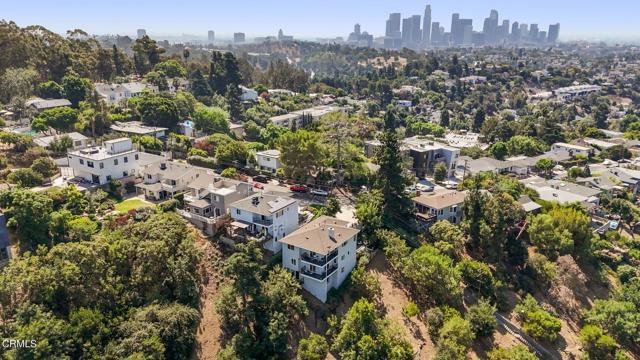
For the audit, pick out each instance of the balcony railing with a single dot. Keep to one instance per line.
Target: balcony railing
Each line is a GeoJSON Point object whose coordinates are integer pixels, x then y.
{"type": "Point", "coordinates": [319, 276]}
{"type": "Point", "coordinates": [318, 260]}
{"type": "Point", "coordinates": [262, 222]}
{"type": "Point", "coordinates": [204, 219]}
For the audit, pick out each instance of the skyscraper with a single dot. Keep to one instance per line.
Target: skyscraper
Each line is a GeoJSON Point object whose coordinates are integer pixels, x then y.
{"type": "Point", "coordinates": [416, 35]}
{"type": "Point", "coordinates": [211, 36]}
{"type": "Point", "coordinates": [393, 25]}
{"type": "Point", "coordinates": [490, 28]}
{"type": "Point", "coordinates": [533, 32]}
{"type": "Point", "coordinates": [553, 33]}
{"type": "Point", "coordinates": [426, 27]}
{"type": "Point", "coordinates": [436, 36]}
{"type": "Point", "coordinates": [238, 37]}
{"type": "Point", "coordinates": [515, 32]}
{"type": "Point", "coordinates": [356, 29]}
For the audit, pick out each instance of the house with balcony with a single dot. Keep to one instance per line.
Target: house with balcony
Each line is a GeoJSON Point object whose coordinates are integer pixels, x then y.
{"type": "Point", "coordinates": [441, 205]}
{"type": "Point", "coordinates": [269, 215]}
{"type": "Point", "coordinates": [164, 179]}
{"type": "Point", "coordinates": [208, 199]}
{"type": "Point", "coordinates": [321, 254]}
{"type": "Point", "coordinates": [116, 159]}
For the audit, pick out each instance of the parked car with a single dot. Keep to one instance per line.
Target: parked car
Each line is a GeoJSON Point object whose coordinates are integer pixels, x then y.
{"type": "Point", "coordinates": [261, 179]}
{"type": "Point", "coordinates": [319, 192]}
{"type": "Point", "coordinates": [258, 185]}
{"type": "Point", "coordinates": [424, 187]}
{"type": "Point", "coordinates": [410, 189]}
{"type": "Point", "coordinates": [298, 188]}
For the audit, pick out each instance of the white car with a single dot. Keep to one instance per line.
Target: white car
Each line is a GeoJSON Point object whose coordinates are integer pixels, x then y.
{"type": "Point", "coordinates": [318, 192]}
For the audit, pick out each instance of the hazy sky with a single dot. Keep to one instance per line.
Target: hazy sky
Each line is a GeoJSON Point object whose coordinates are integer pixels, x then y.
{"type": "Point", "coordinates": [311, 18]}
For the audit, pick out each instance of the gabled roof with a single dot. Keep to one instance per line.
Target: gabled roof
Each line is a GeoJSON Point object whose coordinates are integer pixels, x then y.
{"type": "Point", "coordinates": [321, 235]}
{"type": "Point", "coordinates": [441, 199]}
{"type": "Point", "coordinates": [263, 204]}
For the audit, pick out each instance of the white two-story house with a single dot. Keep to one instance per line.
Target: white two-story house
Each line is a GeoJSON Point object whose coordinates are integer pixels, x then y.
{"type": "Point", "coordinates": [321, 254]}
{"type": "Point", "coordinates": [269, 160]}
{"type": "Point", "coordinates": [163, 179]}
{"type": "Point", "coordinates": [272, 215]}
{"type": "Point", "coordinates": [116, 159]}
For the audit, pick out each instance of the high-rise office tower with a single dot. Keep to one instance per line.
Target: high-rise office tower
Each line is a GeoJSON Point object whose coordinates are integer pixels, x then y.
{"type": "Point", "coordinates": [504, 30]}
{"type": "Point", "coordinates": [515, 31]}
{"type": "Point", "coordinates": [436, 35]}
{"type": "Point", "coordinates": [356, 29]}
{"type": "Point", "coordinates": [416, 35]}
{"type": "Point", "coordinates": [524, 31]}
{"type": "Point", "coordinates": [554, 33]}
{"type": "Point", "coordinates": [542, 36]}
{"type": "Point", "coordinates": [141, 33]}
{"type": "Point", "coordinates": [393, 25]}
{"type": "Point", "coordinates": [211, 36]}
{"type": "Point", "coordinates": [467, 32]}
{"type": "Point", "coordinates": [533, 32]}
{"type": "Point", "coordinates": [238, 37]}
{"type": "Point", "coordinates": [426, 26]}
{"type": "Point", "coordinates": [490, 28]}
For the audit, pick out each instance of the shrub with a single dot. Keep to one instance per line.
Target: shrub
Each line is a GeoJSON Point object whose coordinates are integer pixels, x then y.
{"type": "Point", "coordinates": [410, 310]}
{"type": "Point", "coordinates": [536, 321]}
{"type": "Point", "coordinates": [25, 178]}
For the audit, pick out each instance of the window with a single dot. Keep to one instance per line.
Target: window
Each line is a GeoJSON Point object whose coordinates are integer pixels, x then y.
{"type": "Point", "coordinates": [238, 211]}
{"type": "Point", "coordinates": [101, 165]}
{"type": "Point", "coordinates": [342, 270]}
{"type": "Point", "coordinates": [136, 156]}
{"type": "Point", "coordinates": [342, 258]}
{"type": "Point", "coordinates": [108, 177]}
{"type": "Point", "coordinates": [293, 261]}
{"type": "Point", "coordinates": [81, 161]}
{"type": "Point", "coordinates": [126, 159]}
{"type": "Point", "coordinates": [344, 244]}
{"type": "Point", "coordinates": [290, 247]}
{"type": "Point", "coordinates": [115, 161]}
{"type": "Point", "coordinates": [125, 174]}
{"type": "Point", "coordinates": [90, 164]}
{"type": "Point", "coordinates": [149, 176]}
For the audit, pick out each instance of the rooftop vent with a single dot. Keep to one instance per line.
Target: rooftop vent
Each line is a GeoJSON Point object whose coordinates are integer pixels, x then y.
{"type": "Point", "coordinates": [163, 166]}
{"type": "Point", "coordinates": [332, 233]}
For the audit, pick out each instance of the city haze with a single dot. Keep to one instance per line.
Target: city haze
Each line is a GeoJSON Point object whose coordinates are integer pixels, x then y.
{"type": "Point", "coordinates": [307, 20]}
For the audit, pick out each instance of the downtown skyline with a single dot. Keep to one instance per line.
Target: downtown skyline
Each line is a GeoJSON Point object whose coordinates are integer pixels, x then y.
{"type": "Point", "coordinates": [579, 19]}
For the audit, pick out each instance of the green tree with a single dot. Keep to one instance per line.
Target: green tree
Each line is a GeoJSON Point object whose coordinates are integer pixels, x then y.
{"type": "Point", "coordinates": [17, 82]}
{"type": "Point", "coordinates": [391, 178]}
{"type": "Point", "coordinates": [477, 275]}
{"type": "Point", "coordinates": [156, 110]}
{"type": "Point", "coordinates": [448, 238]}
{"type": "Point", "coordinates": [146, 54]}
{"type": "Point", "coordinates": [499, 150]}
{"type": "Point", "coordinates": [62, 119]}
{"type": "Point", "coordinates": [545, 165]}
{"type": "Point", "coordinates": [518, 352]}
{"type": "Point", "coordinates": [361, 331]}
{"type": "Point", "coordinates": [76, 89]}
{"type": "Point", "coordinates": [433, 275]}
{"type": "Point", "coordinates": [455, 338]}
{"type": "Point", "coordinates": [618, 318]}
{"type": "Point", "coordinates": [50, 90]}
{"type": "Point", "coordinates": [171, 68]}
{"type": "Point", "coordinates": [29, 215]}
{"type": "Point", "coordinates": [314, 347]}
{"type": "Point", "coordinates": [597, 344]}
{"type": "Point", "coordinates": [369, 216]}
{"type": "Point", "coordinates": [440, 172]}
{"type": "Point", "coordinates": [301, 154]}
{"type": "Point", "coordinates": [211, 120]}
{"type": "Point", "coordinates": [482, 318]}
{"type": "Point", "coordinates": [25, 177]}
{"type": "Point", "coordinates": [44, 166]}
{"type": "Point", "coordinates": [536, 321]}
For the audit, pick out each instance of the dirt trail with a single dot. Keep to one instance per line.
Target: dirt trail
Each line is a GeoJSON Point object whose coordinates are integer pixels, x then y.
{"type": "Point", "coordinates": [208, 334]}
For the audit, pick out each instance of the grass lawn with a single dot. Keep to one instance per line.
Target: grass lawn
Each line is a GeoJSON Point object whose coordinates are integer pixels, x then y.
{"type": "Point", "coordinates": [135, 203]}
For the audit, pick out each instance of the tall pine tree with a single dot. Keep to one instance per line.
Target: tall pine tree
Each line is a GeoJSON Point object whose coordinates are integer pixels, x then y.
{"type": "Point", "coordinates": [391, 178]}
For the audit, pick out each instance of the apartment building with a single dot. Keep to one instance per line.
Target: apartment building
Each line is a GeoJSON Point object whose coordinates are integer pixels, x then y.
{"type": "Point", "coordinates": [163, 179]}
{"type": "Point", "coordinates": [321, 254]}
{"type": "Point", "coordinates": [269, 160]}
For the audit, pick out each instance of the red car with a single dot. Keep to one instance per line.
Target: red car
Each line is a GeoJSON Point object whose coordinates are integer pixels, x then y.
{"type": "Point", "coordinates": [258, 186]}
{"type": "Point", "coordinates": [298, 188]}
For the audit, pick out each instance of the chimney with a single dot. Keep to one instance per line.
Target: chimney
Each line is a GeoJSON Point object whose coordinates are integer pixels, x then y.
{"type": "Point", "coordinates": [332, 233]}
{"type": "Point", "coordinates": [163, 166]}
